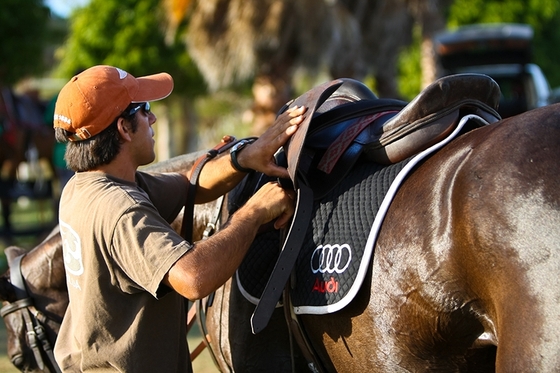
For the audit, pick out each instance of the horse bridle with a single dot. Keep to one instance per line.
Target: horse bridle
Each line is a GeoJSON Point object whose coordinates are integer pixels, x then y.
{"type": "Point", "coordinates": [34, 320]}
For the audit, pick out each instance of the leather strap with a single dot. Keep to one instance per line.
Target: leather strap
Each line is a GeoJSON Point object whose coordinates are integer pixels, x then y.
{"type": "Point", "coordinates": [343, 141]}
{"type": "Point", "coordinates": [188, 213]}
{"type": "Point", "coordinates": [304, 204]}
{"type": "Point", "coordinates": [286, 260]}
{"type": "Point", "coordinates": [313, 362]}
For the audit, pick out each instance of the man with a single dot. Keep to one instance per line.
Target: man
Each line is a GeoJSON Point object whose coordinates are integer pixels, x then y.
{"type": "Point", "coordinates": [127, 270]}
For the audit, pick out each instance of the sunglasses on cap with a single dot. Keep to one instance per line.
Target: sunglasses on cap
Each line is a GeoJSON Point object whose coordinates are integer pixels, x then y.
{"type": "Point", "coordinates": [135, 109]}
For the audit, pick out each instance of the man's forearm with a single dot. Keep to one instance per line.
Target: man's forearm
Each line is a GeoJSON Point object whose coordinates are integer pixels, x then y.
{"type": "Point", "coordinates": [210, 263]}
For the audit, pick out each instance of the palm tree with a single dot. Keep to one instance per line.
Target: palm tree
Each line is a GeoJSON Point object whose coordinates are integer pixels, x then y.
{"type": "Point", "coordinates": [270, 41]}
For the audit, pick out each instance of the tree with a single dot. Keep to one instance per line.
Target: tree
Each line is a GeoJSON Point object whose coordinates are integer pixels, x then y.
{"type": "Point", "coordinates": [269, 42]}
{"type": "Point", "coordinates": [542, 15]}
{"type": "Point", "coordinates": [130, 34]}
{"type": "Point", "coordinates": [24, 33]}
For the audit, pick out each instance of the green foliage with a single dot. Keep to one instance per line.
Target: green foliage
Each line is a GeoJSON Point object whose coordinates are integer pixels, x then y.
{"type": "Point", "coordinates": [24, 32]}
{"type": "Point", "coordinates": [128, 34]}
{"type": "Point", "coordinates": [542, 15]}
{"type": "Point", "coordinates": [546, 52]}
{"type": "Point", "coordinates": [410, 71]}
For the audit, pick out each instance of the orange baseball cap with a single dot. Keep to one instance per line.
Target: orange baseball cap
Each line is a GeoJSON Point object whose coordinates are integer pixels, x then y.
{"type": "Point", "coordinates": [93, 99]}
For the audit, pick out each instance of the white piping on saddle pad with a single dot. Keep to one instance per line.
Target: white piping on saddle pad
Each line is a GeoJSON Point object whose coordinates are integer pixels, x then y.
{"type": "Point", "coordinates": [372, 238]}
{"type": "Point", "coordinates": [248, 296]}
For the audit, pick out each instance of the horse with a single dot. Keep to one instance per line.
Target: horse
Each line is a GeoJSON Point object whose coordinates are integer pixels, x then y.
{"type": "Point", "coordinates": [463, 275]}
{"type": "Point", "coordinates": [24, 137]}
{"type": "Point", "coordinates": [42, 269]}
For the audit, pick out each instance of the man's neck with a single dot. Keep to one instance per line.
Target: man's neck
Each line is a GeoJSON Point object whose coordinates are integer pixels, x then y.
{"type": "Point", "coordinates": [121, 168]}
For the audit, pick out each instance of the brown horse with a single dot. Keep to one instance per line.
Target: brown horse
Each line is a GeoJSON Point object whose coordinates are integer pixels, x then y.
{"type": "Point", "coordinates": [464, 275]}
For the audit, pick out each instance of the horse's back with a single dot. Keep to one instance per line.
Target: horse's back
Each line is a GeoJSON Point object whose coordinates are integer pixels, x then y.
{"type": "Point", "coordinates": [517, 230]}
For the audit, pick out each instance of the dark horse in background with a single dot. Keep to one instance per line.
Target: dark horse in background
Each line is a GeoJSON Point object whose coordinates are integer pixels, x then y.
{"type": "Point", "coordinates": [24, 137]}
{"type": "Point", "coordinates": [464, 275]}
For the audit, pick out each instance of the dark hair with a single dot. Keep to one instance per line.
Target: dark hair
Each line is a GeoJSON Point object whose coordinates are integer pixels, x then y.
{"type": "Point", "coordinates": [101, 149]}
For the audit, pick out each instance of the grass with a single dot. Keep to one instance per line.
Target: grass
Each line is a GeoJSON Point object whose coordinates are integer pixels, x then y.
{"type": "Point", "coordinates": [33, 220]}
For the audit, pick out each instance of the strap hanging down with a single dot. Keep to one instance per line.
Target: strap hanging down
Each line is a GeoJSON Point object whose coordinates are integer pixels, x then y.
{"type": "Point", "coordinates": [36, 335]}
{"type": "Point", "coordinates": [187, 225]}
{"type": "Point", "coordinates": [287, 258]}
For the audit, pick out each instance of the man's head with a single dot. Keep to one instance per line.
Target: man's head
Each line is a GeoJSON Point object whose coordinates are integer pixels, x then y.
{"type": "Point", "coordinates": [93, 99]}
{"type": "Point", "coordinates": [91, 104]}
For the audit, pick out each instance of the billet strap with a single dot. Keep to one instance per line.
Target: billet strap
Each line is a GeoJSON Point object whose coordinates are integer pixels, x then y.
{"type": "Point", "coordinates": [302, 216]}
{"type": "Point", "coordinates": [296, 331]}
{"type": "Point", "coordinates": [187, 225]}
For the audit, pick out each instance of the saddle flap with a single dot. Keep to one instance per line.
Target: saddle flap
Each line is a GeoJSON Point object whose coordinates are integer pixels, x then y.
{"type": "Point", "coordinates": [312, 99]}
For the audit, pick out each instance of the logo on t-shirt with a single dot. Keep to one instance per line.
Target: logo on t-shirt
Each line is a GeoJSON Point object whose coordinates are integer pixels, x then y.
{"type": "Point", "coordinates": [72, 249]}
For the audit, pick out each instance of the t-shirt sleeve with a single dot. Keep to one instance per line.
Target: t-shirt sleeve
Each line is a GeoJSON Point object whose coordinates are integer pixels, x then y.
{"type": "Point", "coordinates": [144, 247]}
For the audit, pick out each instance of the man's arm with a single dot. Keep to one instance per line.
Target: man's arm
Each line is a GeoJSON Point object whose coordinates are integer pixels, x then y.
{"type": "Point", "coordinates": [219, 176]}
{"type": "Point", "coordinates": [210, 263]}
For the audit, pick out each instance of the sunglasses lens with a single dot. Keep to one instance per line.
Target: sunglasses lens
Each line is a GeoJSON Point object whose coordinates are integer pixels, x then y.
{"type": "Point", "coordinates": [144, 105]}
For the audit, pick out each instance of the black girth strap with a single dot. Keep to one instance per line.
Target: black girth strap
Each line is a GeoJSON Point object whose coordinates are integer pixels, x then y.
{"type": "Point", "coordinates": [304, 206]}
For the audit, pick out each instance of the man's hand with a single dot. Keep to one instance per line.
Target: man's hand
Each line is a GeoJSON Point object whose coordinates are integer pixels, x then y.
{"type": "Point", "coordinates": [271, 202]}
{"type": "Point", "coordinates": [259, 155]}
{"type": "Point", "coordinates": [213, 261]}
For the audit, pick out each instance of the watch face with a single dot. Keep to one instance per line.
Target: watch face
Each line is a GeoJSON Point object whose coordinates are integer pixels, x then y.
{"type": "Point", "coordinates": [239, 146]}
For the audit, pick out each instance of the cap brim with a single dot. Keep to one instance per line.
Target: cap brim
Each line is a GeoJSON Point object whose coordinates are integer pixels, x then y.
{"type": "Point", "coordinates": [153, 87]}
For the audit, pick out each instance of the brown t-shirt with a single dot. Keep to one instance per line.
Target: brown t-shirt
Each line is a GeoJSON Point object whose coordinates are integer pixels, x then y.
{"type": "Point", "coordinates": [118, 245]}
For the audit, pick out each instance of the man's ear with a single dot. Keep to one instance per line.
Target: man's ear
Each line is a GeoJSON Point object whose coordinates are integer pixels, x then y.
{"type": "Point", "coordinates": [124, 129]}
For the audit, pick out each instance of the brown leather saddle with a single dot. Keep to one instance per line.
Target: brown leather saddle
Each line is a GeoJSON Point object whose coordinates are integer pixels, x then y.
{"type": "Point", "coordinates": [346, 121]}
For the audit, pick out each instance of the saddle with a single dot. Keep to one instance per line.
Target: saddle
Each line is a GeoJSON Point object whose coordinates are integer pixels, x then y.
{"type": "Point", "coordinates": [346, 121]}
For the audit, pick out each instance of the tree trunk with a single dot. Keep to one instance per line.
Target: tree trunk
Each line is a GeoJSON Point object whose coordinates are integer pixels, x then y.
{"type": "Point", "coordinates": [270, 94]}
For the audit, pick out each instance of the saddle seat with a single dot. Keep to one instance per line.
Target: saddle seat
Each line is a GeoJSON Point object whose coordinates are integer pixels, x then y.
{"type": "Point", "coordinates": [352, 121]}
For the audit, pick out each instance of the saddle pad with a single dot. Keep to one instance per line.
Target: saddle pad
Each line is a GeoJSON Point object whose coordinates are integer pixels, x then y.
{"type": "Point", "coordinates": [335, 242]}
{"type": "Point", "coordinates": [348, 209]}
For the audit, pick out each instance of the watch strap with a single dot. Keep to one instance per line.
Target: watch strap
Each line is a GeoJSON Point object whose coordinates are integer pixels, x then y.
{"type": "Point", "coordinates": [237, 148]}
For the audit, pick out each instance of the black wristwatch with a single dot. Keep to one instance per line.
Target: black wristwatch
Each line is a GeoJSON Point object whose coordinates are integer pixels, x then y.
{"type": "Point", "coordinates": [233, 153]}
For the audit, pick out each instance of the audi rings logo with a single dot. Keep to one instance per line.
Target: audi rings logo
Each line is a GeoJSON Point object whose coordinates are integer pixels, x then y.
{"type": "Point", "coordinates": [331, 258]}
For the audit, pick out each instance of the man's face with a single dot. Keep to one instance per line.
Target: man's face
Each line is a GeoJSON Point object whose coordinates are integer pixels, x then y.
{"type": "Point", "coordinates": [143, 138]}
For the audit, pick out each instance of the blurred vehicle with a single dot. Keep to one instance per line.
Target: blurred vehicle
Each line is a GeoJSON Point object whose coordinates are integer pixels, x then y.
{"type": "Point", "coordinates": [502, 51]}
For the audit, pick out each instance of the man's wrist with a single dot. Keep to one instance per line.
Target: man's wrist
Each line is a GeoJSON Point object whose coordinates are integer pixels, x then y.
{"type": "Point", "coordinates": [234, 152]}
